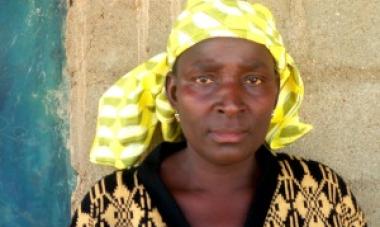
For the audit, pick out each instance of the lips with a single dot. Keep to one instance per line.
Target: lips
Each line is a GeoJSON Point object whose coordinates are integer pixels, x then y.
{"type": "Point", "coordinates": [228, 136]}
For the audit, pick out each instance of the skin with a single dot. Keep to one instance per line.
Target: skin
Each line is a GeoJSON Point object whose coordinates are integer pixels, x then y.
{"type": "Point", "coordinates": [225, 90]}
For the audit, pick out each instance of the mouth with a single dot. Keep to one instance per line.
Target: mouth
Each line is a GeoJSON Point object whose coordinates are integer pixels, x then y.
{"type": "Point", "coordinates": [228, 136]}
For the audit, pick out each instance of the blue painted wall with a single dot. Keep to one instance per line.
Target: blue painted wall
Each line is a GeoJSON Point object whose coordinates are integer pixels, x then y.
{"type": "Point", "coordinates": [35, 175]}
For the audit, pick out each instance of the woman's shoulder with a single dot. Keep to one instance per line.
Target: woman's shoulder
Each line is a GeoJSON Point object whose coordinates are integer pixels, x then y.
{"type": "Point", "coordinates": [114, 183]}
{"type": "Point", "coordinates": [314, 190]}
{"type": "Point", "coordinates": [308, 172]}
{"type": "Point", "coordinates": [312, 175]}
{"type": "Point", "coordinates": [119, 197]}
{"type": "Point", "coordinates": [126, 178]}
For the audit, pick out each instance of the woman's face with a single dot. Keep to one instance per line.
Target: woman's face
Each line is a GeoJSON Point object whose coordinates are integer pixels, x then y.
{"type": "Point", "coordinates": [225, 90]}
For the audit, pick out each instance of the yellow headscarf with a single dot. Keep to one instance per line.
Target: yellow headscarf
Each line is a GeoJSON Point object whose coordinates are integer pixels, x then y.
{"type": "Point", "coordinates": [136, 105]}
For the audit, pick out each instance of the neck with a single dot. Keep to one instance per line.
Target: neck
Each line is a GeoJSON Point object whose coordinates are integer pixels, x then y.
{"type": "Point", "coordinates": [205, 176]}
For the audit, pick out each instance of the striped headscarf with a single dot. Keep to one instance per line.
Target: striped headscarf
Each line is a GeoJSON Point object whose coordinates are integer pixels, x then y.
{"type": "Point", "coordinates": [136, 105]}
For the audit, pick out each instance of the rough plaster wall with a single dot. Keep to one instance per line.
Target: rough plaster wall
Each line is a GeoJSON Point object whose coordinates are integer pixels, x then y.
{"type": "Point", "coordinates": [334, 42]}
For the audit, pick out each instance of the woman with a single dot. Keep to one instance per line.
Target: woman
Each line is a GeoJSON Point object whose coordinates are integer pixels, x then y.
{"type": "Point", "coordinates": [235, 93]}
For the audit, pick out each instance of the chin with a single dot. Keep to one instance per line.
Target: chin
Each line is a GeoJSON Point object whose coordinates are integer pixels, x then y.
{"type": "Point", "coordinates": [228, 154]}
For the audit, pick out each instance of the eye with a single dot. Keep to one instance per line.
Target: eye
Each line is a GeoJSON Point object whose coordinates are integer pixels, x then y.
{"type": "Point", "coordinates": [252, 80]}
{"type": "Point", "coordinates": [203, 79]}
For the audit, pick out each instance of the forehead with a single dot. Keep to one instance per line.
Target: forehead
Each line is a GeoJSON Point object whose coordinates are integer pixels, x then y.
{"type": "Point", "coordinates": [226, 50]}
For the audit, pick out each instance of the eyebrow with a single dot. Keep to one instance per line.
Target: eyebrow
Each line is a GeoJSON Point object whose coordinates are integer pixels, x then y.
{"type": "Point", "coordinates": [211, 63]}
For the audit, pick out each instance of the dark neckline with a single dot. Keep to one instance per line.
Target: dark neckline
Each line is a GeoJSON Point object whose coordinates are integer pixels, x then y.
{"type": "Point", "coordinates": [148, 173]}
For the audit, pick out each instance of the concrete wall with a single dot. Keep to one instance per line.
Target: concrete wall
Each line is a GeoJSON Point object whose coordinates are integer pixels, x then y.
{"type": "Point", "coordinates": [336, 44]}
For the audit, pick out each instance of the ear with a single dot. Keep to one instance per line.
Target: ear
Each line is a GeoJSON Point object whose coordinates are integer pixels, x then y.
{"type": "Point", "coordinates": [278, 88]}
{"type": "Point", "coordinates": [171, 88]}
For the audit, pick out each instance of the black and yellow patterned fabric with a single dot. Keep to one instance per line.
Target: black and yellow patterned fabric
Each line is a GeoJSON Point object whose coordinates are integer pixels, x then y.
{"type": "Point", "coordinates": [292, 192]}
{"type": "Point", "coordinates": [311, 194]}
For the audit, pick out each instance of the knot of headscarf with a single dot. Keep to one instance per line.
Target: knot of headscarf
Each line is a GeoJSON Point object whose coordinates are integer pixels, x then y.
{"type": "Point", "coordinates": [132, 109]}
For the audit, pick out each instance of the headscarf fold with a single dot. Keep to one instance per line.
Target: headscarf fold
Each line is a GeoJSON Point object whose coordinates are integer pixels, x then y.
{"type": "Point", "coordinates": [136, 105]}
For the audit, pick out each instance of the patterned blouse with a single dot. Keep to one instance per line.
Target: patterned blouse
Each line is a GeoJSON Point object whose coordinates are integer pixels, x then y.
{"type": "Point", "coordinates": [291, 192]}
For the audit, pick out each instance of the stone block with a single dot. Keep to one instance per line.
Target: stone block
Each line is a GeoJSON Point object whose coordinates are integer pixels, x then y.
{"type": "Point", "coordinates": [343, 33]}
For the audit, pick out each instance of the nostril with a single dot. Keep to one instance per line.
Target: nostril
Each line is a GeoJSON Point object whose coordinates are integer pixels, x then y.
{"type": "Point", "coordinates": [230, 109]}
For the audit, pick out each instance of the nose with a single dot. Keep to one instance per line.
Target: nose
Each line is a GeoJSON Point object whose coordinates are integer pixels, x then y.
{"type": "Point", "coordinates": [230, 99]}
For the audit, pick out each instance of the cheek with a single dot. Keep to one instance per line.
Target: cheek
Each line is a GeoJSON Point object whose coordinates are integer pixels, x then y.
{"type": "Point", "coordinates": [194, 108]}
{"type": "Point", "coordinates": [264, 103]}
{"type": "Point", "coordinates": [263, 99]}
{"type": "Point", "coordinates": [261, 108]}
{"type": "Point", "coordinates": [193, 97]}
